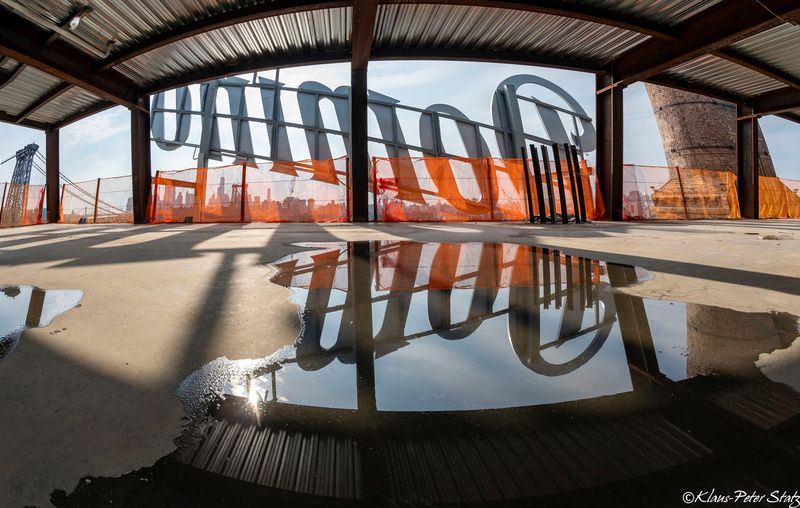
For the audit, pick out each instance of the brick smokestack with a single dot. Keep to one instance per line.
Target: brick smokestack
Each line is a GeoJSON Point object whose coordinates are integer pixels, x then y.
{"type": "Point", "coordinates": [700, 132]}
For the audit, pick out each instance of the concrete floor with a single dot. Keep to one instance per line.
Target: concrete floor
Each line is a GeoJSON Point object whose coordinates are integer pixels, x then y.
{"type": "Point", "coordinates": [161, 301]}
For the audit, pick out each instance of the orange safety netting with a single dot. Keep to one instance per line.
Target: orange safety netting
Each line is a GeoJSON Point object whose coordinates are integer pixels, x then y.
{"type": "Point", "coordinates": [101, 201]}
{"type": "Point", "coordinates": [460, 189]}
{"type": "Point", "coordinates": [651, 192]}
{"type": "Point", "coordinates": [304, 191]}
{"type": "Point", "coordinates": [778, 198]}
{"type": "Point", "coordinates": [31, 198]}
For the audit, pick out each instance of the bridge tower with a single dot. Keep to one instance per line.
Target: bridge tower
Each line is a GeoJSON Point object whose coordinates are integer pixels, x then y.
{"type": "Point", "coordinates": [17, 193]}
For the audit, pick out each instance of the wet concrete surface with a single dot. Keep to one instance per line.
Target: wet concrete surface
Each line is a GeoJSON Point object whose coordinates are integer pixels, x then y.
{"type": "Point", "coordinates": [485, 340]}
{"type": "Point", "coordinates": [164, 303]}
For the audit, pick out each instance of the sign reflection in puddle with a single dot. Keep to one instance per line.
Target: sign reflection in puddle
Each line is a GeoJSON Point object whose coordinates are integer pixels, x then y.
{"type": "Point", "coordinates": [485, 326]}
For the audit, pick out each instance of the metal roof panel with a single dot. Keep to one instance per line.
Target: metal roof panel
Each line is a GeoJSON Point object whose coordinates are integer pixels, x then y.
{"type": "Point", "coordinates": [470, 27]}
{"type": "Point", "coordinates": [727, 76]}
{"type": "Point", "coordinates": [302, 32]}
{"type": "Point", "coordinates": [25, 89]}
{"type": "Point", "coordinates": [68, 103]}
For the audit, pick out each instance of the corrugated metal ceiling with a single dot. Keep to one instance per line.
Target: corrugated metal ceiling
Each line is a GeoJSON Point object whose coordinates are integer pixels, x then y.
{"type": "Point", "coordinates": [124, 21]}
{"type": "Point", "coordinates": [303, 32]}
{"type": "Point", "coordinates": [72, 101]}
{"type": "Point", "coordinates": [727, 76]}
{"type": "Point", "coordinates": [25, 89]}
{"type": "Point", "coordinates": [400, 25]}
{"type": "Point", "coordinates": [667, 12]}
{"type": "Point", "coordinates": [779, 47]}
{"type": "Point", "coordinates": [456, 26]}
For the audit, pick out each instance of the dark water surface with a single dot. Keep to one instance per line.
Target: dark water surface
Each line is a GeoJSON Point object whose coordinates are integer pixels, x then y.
{"type": "Point", "coordinates": [471, 373]}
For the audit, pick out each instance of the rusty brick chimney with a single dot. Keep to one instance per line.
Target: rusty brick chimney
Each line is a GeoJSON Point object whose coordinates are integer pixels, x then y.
{"type": "Point", "coordinates": [700, 132]}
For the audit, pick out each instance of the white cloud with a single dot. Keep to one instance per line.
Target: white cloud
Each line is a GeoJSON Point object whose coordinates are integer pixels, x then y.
{"type": "Point", "coordinates": [99, 127]}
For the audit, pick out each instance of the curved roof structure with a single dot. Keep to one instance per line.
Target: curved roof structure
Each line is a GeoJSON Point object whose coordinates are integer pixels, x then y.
{"type": "Point", "coordinates": [62, 61]}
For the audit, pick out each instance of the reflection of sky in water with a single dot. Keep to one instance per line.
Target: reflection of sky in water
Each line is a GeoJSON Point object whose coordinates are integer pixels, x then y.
{"type": "Point", "coordinates": [486, 360]}
{"type": "Point", "coordinates": [15, 300]}
{"type": "Point", "coordinates": [479, 371]}
{"type": "Point", "coordinates": [14, 310]}
{"type": "Point", "coordinates": [483, 371]}
{"type": "Point", "coordinates": [668, 327]}
{"type": "Point", "coordinates": [18, 306]}
{"type": "Point", "coordinates": [331, 386]}
{"type": "Point", "coordinates": [58, 302]}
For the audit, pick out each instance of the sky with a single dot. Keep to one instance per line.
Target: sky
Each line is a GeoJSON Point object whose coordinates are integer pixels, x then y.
{"type": "Point", "coordinates": [99, 146]}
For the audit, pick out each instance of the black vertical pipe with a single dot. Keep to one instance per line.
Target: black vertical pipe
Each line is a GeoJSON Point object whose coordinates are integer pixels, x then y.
{"type": "Point", "coordinates": [570, 285]}
{"type": "Point", "coordinates": [589, 283]}
{"type": "Point", "coordinates": [577, 166]}
{"type": "Point", "coordinates": [537, 175]}
{"type": "Point", "coordinates": [562, 196]}
{"type": "Point", "coordinates": [573, 185]}
{"type": "Point", "coordinates": [529, 198]}
{"type": "Point", "coordinates": [557, 277]}
{"type": "Point", "coordinates": [546, 277]}
{"type": "Point", "coordinates": [551, 199]}
{"type": "Point", "coordinates": [582, 283]}
{"type": "Point", "coordinates": [535, 275]}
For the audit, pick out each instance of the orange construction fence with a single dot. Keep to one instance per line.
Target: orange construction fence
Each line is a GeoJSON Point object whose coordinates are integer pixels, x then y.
{"type": "Point", "coordinates": [401, 189]}
{"type": "Point", "coordinates": [652, 193]}
{"type": "Point", "coordinates": [463, 189]}
{"type": "Point", "coordinates": [778, 198]}
{"type": "Point", "coordinates": [304, 191]}
{"type": "Point", "coordinates": [31, 210]}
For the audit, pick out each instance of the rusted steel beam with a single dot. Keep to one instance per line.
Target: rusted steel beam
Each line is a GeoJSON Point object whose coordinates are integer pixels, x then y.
{"type": "Point", "coordinates": [780, 101]}
{"type": "Point", "coordinates": [365, 14]}
{"type": "Point", "coordinates": [747, 162]}
{"type": "Point", "coordinates": [608, 110]}
{"type": "Point", "coordinates": [52, 170]}
{"type": "Point", "coordinates": [140, 159]}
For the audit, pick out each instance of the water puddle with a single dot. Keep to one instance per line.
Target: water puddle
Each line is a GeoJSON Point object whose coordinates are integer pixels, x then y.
{"type": "Point", "coordinates": [23, 307]}
{"type": "Point", "coordinates": [428, 373]}
{"type": "Point", "coordinates": [480, 326]}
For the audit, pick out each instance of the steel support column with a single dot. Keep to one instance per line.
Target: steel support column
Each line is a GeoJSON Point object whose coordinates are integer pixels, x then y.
{"type": "Point", "coordinates": [365, 13]}
{"type": "Point", "coordinates": [53, 175]}
{"type": "Point", "coordinates": [140, 159]}
{"type": "Point", "coordinates": [359, 150]}
{"type": "Point", "coordinates": [609, 145]}
{"type": "Point", "coordinates": [747, 162]}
